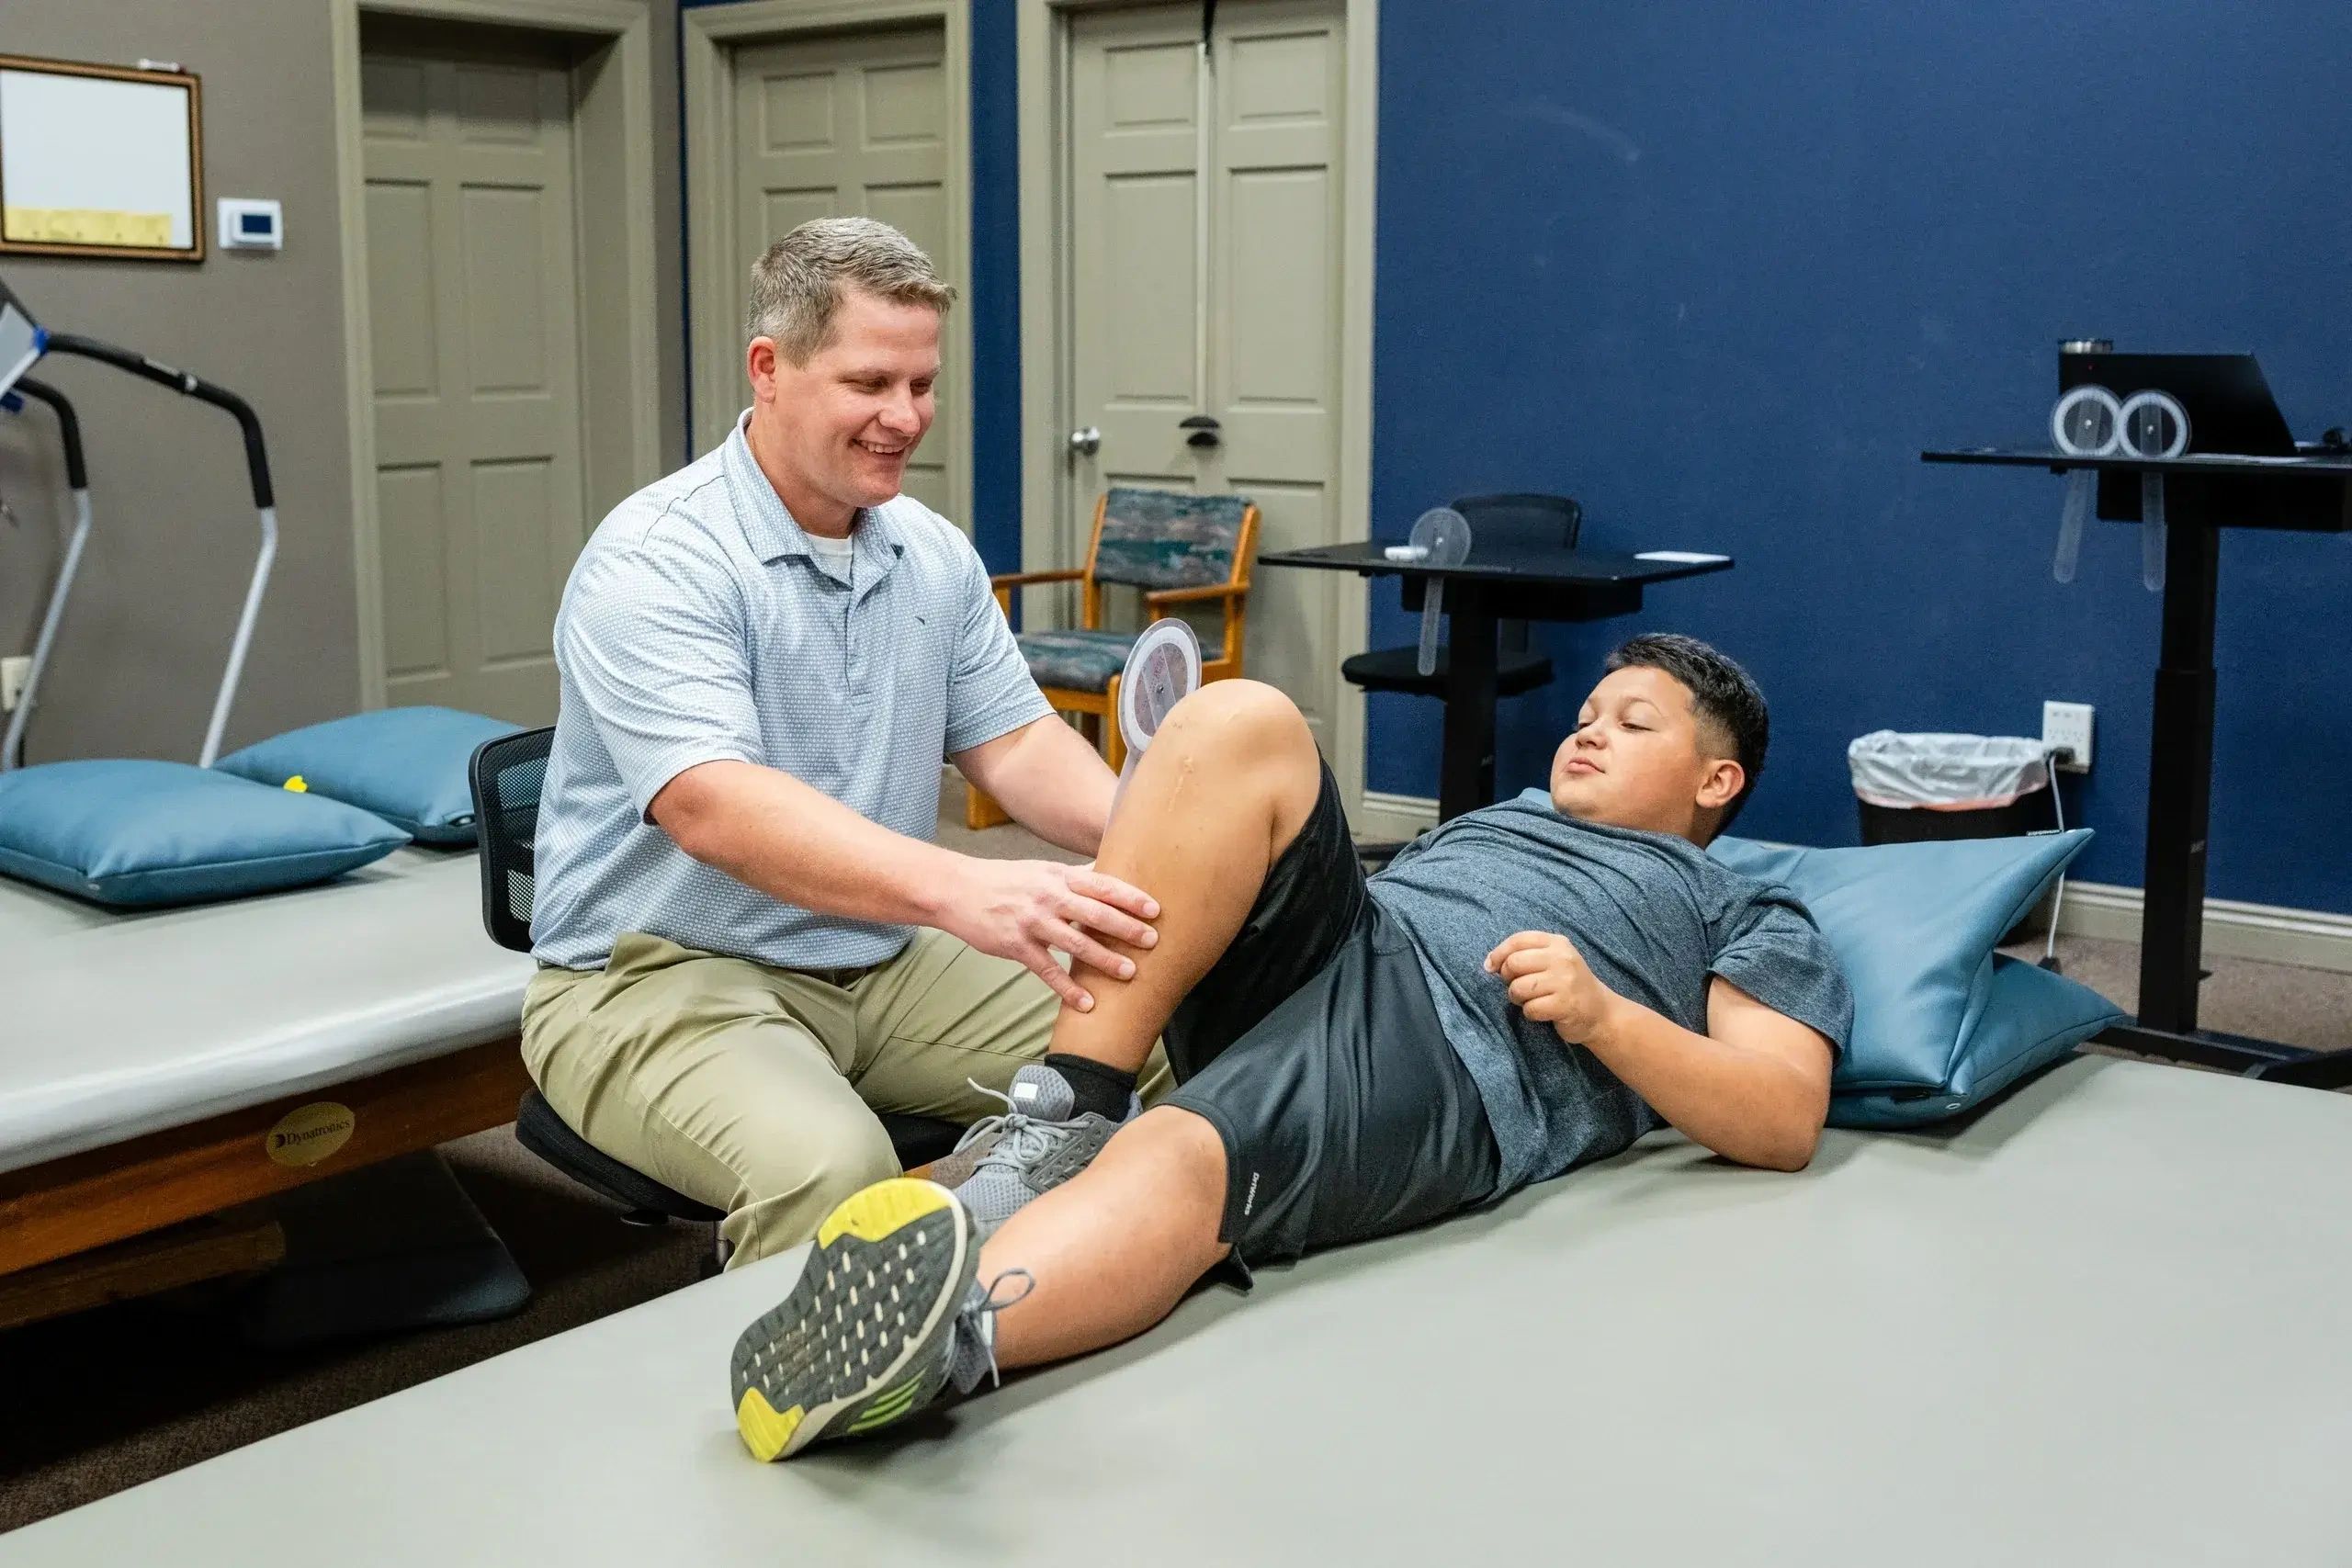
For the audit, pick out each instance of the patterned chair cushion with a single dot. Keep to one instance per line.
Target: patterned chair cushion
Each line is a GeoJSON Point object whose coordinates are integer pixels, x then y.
{"type": "Point", "coordinates": [1075, 660]}
{"type": "Point", "coordinates": [1163, 539]}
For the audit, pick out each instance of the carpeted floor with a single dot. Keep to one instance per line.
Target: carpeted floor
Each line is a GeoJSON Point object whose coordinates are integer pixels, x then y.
{"type": "Point", "coordinates": [93, 1403]}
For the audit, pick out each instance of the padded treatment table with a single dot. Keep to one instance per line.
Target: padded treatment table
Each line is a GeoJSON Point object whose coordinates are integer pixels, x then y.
{"type": "Point", "coordinates": [146, 1058]}
{"type": "Point", "coordinates": [2023, 1342]}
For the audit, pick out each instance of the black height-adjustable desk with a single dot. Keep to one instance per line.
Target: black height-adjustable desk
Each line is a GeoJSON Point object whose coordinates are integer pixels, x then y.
{"type": "Point", "coordinates": [1497, 583]}
{"type": "Point", "coordinates": [2204, 493]}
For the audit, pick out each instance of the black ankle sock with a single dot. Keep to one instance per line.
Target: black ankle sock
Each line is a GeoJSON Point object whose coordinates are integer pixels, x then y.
{"type": "Point", "coordinates": [1098, 1088]}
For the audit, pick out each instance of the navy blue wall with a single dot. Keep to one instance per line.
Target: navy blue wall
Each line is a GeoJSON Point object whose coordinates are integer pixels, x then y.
{"type": "Point", "coordinates": [995, 303]}
{"type": "Point", "coordinates": [1721, 270]}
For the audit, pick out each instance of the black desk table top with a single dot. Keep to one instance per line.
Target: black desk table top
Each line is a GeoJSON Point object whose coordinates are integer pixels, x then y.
{"type": "Point", "coordinates": [1500, 564]}
{"type": "Point", "coordinates": [2316, 465]}
{"type": "Point", "coordinates": [2310, 493]}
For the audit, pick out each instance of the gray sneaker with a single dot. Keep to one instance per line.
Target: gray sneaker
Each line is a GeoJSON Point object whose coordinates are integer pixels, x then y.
{"type": "Point", "coordinates": [885, 1316]}
{"type": "Point", "coordinates": [1037, 1145]}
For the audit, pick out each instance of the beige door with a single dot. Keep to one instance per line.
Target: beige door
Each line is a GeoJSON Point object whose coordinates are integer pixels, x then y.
{"type": "Point", "coordinates": [1218, 298]}
{"type": "Point", "coordinates": [834, 126]}
{"type": "Point", "coordinates": [474, 306]}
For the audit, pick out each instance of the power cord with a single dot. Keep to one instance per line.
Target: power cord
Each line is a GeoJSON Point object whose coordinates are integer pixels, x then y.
{"type": "Point", "coordinates": [2058, 898]}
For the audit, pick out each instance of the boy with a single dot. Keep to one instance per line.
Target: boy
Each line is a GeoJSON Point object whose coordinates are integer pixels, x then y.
{"type": "Point", "coordinates": [1531, 986]}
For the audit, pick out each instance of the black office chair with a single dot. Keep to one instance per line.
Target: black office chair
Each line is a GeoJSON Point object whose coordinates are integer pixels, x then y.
{"type": "Point", "coordinates": [506, 775]}
{"type": "Point", "coordinates": [1550, 521]}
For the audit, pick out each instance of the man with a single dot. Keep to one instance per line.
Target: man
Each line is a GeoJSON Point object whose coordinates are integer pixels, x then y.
{"type": "Point", "coordinates": [747, 938]}
{"type": "Point", "coordinates": [1531, 986]}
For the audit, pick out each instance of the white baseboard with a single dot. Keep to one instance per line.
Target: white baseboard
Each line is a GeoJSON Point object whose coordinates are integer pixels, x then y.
{"type": "Point", "coordinates": [1387, 816]}
{"type": "Point", "coordinates": [2311, 939]}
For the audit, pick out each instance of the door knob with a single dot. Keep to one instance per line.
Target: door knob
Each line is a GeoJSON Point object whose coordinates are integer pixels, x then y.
{"type": "Point", "coordinates": [1204, 428]}
{"type": "Point", "coordinates": [1086, 442]}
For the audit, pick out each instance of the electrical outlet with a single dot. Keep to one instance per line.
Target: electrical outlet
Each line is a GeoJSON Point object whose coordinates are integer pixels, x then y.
{"type": "Point", "coordinates": [2067, 727]}
{"type": "Point", "coordinates": [13, 672]}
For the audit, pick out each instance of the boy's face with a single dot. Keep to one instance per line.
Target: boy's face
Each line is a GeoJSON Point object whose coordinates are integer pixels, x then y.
{"type": "Point", "coordinates": [1638, 759]}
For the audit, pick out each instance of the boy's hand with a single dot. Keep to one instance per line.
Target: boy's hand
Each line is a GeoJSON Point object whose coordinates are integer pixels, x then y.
{"type": "Point", "coordinates": [1551, 984]}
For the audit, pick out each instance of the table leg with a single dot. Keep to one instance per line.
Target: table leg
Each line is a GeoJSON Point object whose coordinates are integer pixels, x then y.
{"type": "Point", "coordinates": [1466, 772]}
{"type": "Point", "coordinates": [2181, 780]}
{"type": "Point", "coordinates": [2180, 776]}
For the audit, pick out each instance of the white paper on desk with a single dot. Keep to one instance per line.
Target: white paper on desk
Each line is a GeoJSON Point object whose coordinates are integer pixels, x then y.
{"type": "Point", "coordinates": [1692, 558]}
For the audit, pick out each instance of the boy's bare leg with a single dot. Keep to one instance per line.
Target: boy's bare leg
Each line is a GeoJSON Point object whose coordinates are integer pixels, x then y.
{"type": "Point", "coordinates": [1230, 780]}
{"type": "Point", "coordinates": [1114, 1248]}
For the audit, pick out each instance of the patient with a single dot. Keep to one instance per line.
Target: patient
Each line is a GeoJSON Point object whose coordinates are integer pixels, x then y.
{"type": "Point", "coordinates": [1529, 987]}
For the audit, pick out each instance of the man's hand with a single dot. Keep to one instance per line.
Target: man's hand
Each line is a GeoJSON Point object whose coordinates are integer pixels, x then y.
{"type": "Point", "coordinates": [1551, 983]}
{"type": "Point", "coordinates": [1018, 908]}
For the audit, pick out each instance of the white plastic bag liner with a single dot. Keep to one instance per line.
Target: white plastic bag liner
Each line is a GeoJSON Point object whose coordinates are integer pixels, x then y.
{"type": "Point", "coordinates": [1946, 772]}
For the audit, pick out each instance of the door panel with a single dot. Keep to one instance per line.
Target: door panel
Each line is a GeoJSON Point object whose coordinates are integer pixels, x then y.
{"type": "Point", "coordinates": [840, 126]}
{"type": "Point", "coordinates": [474, 311]}
{"type": "Point", "coordinates": [1135, 241]}
{"type": "Point", "coordinates": [1257, 350]}
{"type": "Point", "coordinates": [1274, 364]}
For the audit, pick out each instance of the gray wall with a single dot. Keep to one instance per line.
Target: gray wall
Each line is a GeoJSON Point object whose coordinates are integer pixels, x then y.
{"type": "Point", "coordinates": [150, 623]}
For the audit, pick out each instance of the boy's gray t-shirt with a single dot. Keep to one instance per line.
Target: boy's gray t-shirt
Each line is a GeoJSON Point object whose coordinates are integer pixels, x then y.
{"type": "Point", "coordinates": [1653, 916]}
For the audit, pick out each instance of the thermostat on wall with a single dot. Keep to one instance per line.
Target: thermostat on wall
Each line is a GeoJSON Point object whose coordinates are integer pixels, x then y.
{"type": "Point", "coordinates": [247, 224]}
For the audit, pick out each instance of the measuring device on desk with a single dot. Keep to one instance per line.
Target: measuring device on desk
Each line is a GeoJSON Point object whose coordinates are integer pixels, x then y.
{"type": "Point", "coordinates": [1440, 537]}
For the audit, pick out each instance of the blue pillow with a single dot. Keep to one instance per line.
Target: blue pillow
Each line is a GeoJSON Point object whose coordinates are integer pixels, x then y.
{"type": "Point", "coordinates": [407, 765]}
{"type": "Point", "coordinates": [1914, 926]}
{"type": "Point", "coordinates": [2030, 1018]}
{"type": "Point", "coordinates": [137, 834]}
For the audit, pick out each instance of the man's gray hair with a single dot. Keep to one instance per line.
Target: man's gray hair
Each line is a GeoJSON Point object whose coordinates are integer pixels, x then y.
{"type": "Point", "coordinates": [796, 286]}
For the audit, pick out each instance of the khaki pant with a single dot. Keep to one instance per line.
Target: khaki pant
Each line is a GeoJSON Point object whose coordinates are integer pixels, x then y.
{"type": "Point", "coordinates": [747, 1088]}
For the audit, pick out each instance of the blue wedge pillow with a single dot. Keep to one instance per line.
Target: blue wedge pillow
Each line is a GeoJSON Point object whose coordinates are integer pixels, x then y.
{"type": "Point", "coordinates": [1937, 1024]}
{"type": "Point", "coordinates": [139, 834]}
{"type": "Point", "coordinates": [407, 765]}
{"type": "Point", "coordinates": [2030, 1018]}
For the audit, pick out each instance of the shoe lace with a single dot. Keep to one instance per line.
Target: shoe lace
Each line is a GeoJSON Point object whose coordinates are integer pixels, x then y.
{"type": "Point", "coordinates": [987, 1307]}
{"type": "Point", "coordinates": [1022, 1139]}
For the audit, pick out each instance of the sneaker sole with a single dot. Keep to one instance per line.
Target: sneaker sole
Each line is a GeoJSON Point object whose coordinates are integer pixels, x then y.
{"type": "Point", "coordinates": [863, 1340]}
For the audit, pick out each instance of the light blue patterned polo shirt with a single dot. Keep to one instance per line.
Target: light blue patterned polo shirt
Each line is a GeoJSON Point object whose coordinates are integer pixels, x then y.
{"type": "Point", "coordinates": [699, 626]}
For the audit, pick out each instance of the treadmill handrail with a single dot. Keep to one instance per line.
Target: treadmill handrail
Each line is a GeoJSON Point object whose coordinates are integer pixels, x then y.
{"type": "Point", "coordinates": [188, 384]}
{"type": "Point", "coordinates": [69, 427]}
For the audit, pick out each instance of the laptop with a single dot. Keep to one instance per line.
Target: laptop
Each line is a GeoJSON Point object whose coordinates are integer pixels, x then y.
{"type": "Point", "coordinates": [2230, 406]}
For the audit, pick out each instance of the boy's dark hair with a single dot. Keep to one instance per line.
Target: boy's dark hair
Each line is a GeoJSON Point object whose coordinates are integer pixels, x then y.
{"type": "Point", "coordinates": [1724, 697]}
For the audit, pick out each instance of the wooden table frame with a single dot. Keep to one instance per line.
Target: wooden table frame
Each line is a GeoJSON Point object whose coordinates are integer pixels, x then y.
{"type": "Point", "coordinates": [73, 1205]}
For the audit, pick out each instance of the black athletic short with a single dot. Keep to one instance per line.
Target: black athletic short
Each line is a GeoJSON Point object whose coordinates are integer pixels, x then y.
{"type": "Point", "coordinates": [1313, 1047]}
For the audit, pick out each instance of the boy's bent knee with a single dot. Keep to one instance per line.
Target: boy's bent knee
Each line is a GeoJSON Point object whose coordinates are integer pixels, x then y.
{"type": "Point", "coordinates": [1253, 740]}
{"type": "Point", "coordinates": [1245, 716]}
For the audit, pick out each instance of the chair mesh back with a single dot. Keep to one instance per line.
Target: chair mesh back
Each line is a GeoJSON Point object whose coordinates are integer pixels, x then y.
{"type": "Point", "coordinates": [1542, 521]}
{"type": "Point", "coordinates": [1158, 539]}
{"type": "Point", "coordinates": [506, 775]}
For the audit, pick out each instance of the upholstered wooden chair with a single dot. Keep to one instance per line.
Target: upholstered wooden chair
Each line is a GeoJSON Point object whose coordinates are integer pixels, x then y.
{"type": "Point", "coordinates": [1179, 549]}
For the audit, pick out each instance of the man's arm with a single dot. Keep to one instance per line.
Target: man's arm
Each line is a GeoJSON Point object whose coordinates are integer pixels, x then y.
{"type": "Point", "coordinates": [1754, 1088]}
{"type": "Point", "coordinates": [770, 831]}
{"type": "Point", "coordinates": [1049, 779]}
{"type": "Point", "coordinates": [1002, 737]}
